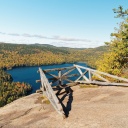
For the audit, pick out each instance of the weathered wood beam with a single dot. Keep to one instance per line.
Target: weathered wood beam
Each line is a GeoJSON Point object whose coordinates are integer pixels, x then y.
{"type": "Point", "coordinates": [69, 80]}
{"type": "Point", "coordinates": [112, 76]}
{"type": "Point", "coordinates": [89, 75]}
{"type": "Point", "coordinates": [38, 81]}
{"type": "Point", "coordinates": [103, 83]}
{"type": "Point", "coordinates": [55, 80]}
{"type": "Point", "coordinates": [68, 71]}
{"type": "Point", "coordinates": [100, 77]}
{"type": "Point", "coordinates": [51, 75]}
{"type": "Point", "coordinates": [82, 73]}
{"type": "Point", "coordinates": [103, 73]}
{"type": "Point", "coordinates": [53, 99]}
{"type": "Point", "coordinates": [69, 76]}
{"type": "Point", "coordinates": [39, 91]}
{"type": "Point", "coordinates": [49, 92]}
{"type": "Point", "coordinates": [72, 84]}
{"type": "Point", "coordinates": [81, 76]}
{"type": "Point", "coordinates": [60, 77]}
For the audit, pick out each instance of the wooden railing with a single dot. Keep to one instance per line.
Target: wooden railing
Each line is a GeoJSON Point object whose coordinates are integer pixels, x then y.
{"type": "Point", "coordinates": [48, 91]}
{"type": "Point", "coordinates": [102, 77]}
{"type": "Point", "coordinates": [84, 75]}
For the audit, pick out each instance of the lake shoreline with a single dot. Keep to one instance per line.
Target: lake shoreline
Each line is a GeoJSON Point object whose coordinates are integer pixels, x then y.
{"type": "Point", "coordinates": [29, 74]}
{"type": "Point", "coordinates": [11, 68]}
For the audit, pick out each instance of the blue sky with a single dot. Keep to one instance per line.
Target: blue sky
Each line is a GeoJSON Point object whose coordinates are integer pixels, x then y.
{"type": "Point", "coordinates": [72, 23]}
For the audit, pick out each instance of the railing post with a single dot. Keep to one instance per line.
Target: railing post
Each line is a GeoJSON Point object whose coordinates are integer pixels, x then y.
{"type": "Point", "coordinates": [60, 77]}
{"type": "Point", "coordinates": [89, 74]}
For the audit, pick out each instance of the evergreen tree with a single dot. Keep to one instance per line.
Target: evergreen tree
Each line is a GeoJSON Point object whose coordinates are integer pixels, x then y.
{"type": "Point", "coordinates": [116, 59]}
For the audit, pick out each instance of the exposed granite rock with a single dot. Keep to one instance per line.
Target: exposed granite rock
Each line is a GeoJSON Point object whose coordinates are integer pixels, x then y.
{"type": "Point", "coordinates": [102, 107]}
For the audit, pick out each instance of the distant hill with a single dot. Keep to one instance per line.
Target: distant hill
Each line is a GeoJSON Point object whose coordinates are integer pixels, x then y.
{"type": "Point", "coordinates": [14, 55]}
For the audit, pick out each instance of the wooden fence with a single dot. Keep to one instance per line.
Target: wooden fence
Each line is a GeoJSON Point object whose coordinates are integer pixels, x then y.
{"type": "Point", "coordinates": [83, 75]}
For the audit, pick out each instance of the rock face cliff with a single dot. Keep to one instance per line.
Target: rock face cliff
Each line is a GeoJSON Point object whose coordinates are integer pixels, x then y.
{"type": "Point", "coordinates": [101, 107]}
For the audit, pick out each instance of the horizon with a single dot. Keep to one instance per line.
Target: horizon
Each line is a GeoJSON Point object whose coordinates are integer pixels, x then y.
{"type": "Point", "coordinates": [65, 23]}
{"type": "Point", "coordinates": [52, 45]}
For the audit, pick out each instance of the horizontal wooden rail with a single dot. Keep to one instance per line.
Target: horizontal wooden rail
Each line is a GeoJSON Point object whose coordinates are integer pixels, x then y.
{"type": "Point", "coordinates": [84, 75]}
{"type": "Point", "coordinates": [102, 83]}
{"type": "Point", "coordinates": [103, 73]}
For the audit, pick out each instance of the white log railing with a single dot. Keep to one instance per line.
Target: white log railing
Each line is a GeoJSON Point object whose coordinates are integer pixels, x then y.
{"type": "Point", "coordinates": [48, 91]}
{"type": "Point", "coordinates": [85, 75]}
{"type": "Point", "coordinates": [100, 75]}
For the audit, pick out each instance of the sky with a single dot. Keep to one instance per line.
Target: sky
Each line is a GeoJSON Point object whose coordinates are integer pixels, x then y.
{"type": "Point", "coordinates": [66, 23]}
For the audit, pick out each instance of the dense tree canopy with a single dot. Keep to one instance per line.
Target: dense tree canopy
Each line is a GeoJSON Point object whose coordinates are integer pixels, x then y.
{"type": "Point", "coordinates": [13, 55]}
{"type": "Point", "coordinates": [116, 59]}
{"type": "Point", "coordinates": [10, 91]}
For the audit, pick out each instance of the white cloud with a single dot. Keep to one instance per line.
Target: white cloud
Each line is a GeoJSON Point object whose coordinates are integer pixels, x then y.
{"type": "Point", "coordinates": [70, 39]}
{"type": "Point", "coordinates": [59, 41]}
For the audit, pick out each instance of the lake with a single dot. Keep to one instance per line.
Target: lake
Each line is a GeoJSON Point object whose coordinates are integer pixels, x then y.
{"type": "Point", "coordinates": [30, 75]}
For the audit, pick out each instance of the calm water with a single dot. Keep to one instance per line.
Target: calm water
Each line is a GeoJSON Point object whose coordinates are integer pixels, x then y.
{"type": "Point", "coordinates": [30, 75]}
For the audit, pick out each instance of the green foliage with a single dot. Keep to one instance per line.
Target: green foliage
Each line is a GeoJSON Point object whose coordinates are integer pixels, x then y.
{"type": "Point", "coordinates": [10, 91]}
{"type": "Point", "coordinates": [88, 86]}
{"type": "Point", "coordinates": [15, 55]}
{"type": "Point", "coordinates": [46, 101]}
{"type": "Point", "coordinates": [120, 12]}
{"type": "Point", "coordinates": [4, 77]}
{"type": "Point", "coordinates": [115, 61]}
{"type": "Point", "coordinates": [110, 63]}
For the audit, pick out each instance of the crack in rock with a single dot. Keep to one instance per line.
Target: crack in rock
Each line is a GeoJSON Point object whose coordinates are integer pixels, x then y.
{"type": "Point", "coordinates": [25, 113]}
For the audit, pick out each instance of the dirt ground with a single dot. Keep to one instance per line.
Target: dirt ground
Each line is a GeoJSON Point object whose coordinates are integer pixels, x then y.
{"type": "Point", "coordinates": [100, 107]}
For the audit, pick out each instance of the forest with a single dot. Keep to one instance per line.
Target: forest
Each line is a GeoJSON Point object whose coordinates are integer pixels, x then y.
{"type": "Point", "coordinates": [15, 55]}
{"type": "Point", "coordinates": [9, 90]}
{"type": "Point", "coordinates": [111, 58]}
{"type": "Point", "coordinates": [115, 61]}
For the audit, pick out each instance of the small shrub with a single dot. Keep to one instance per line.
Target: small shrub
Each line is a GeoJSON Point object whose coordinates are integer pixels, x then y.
{"type": "Point", "coordinates": [88, 86]}
{"type": "Point", "coordinates": [46, 101]}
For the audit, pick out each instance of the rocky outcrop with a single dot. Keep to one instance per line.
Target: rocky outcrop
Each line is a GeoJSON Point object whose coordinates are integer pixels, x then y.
{"type": "Point", "coordinates": [101, 107]}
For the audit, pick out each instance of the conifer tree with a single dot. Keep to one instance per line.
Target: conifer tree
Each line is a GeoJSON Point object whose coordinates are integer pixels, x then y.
{"type": "Point", "coordinates": [116, 59]}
